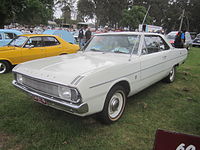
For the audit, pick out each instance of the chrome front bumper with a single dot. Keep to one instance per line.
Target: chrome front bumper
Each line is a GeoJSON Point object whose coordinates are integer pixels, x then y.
{"type": "Point", "coordinates": [79, 109]}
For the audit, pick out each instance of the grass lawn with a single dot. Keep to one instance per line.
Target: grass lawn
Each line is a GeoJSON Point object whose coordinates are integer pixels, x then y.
{"type": "Point", "coordinates": [27, 125]}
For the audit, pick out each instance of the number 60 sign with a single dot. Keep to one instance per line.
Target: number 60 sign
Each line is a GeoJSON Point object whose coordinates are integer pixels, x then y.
{"type": "Point", "coordinates": [182, 147]}
{"type": "Point", "coordinates": [166, 140]}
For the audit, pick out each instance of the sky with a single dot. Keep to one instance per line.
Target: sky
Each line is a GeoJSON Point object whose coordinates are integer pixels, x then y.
{"type": "Point", "coordinates": [58, 13]}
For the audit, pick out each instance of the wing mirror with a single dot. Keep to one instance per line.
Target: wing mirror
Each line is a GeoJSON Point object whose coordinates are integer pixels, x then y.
{"type": "Point", "coordinates": [29, 46]}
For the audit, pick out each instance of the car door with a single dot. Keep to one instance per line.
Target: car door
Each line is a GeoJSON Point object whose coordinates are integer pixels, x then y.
{"type": "Point", "coordinates": [151, 61]}
{"type": "Point", "coordinates": [33, 49]}
{"type": "Point", "coordinates": [52, 46]}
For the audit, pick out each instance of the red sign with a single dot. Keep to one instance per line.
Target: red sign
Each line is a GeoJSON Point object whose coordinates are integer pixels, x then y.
{"type": "Point", "coordinates": [166, 140]}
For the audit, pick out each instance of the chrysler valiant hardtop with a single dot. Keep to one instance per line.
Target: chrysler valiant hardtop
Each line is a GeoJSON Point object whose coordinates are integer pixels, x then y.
{"type": "Point", "coordinates": [98, 79]}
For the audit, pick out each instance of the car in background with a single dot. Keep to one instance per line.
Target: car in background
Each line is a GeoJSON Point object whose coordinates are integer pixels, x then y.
{"type": "Point", "coordinates": [65, 35]}
{"type": "Point", "coordinates": [172, 35]}
{"type": "Point", "coordinates": [193, 35]}
{"type": "Point", "coordinates": [33, 46]}
{"type": "Point", "coordinates": [6, 35]}
{"type": "Point", "coordinates": [98, 79]}
{"type": "Point", "coordinates": [196, 41]}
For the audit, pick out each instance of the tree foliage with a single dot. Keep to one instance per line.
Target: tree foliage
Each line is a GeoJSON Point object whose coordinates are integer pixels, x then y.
{"type": "Point", "coordinates": [106, 12]}
{"type": "Point", "coordinates": [134, 16]}
{"type": "Point", "coordinates": [26, 11]}
{"type": "Point", "coordinates": [164, 13]}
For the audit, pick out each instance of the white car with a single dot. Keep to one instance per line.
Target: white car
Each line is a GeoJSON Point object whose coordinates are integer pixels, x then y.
{"type": "Point", "coordinates": [98, 79]}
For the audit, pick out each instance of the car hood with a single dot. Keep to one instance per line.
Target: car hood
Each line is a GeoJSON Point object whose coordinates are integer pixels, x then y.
{"type": "Point", "coordinates": [68, 68]}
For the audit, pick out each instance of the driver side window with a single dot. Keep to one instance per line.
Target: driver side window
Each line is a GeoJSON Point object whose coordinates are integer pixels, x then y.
{"type": "Point", "coordinates": [153, 44]}
{"type": "Point", "coordinates": [35, 42]}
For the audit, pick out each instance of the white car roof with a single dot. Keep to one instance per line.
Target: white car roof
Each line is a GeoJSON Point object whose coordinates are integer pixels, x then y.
{"type": "Point", "coordinates": [128, 33]}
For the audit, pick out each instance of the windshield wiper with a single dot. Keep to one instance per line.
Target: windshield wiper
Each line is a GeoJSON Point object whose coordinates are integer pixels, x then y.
{"type": "Point", "coordinates": [120, 52]}
{"type": "Point", "coordinates": [95, 50]}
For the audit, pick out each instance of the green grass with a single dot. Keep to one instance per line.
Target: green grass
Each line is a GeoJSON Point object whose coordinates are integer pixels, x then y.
{"type": "Point", "coordinates": [27, 125]}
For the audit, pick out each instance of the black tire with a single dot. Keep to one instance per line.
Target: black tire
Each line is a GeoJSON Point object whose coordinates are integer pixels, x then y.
{"type": "Point", "coordinates": [4, 66]}
{"type": "Point", "coordinates": [114, 105]}
{"type": "Point", "coordinates": [171, 77]}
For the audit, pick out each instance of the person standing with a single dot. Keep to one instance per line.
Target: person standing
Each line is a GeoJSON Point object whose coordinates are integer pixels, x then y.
{"type": "Point", "coordinates": [183, 37]}
{"type": "Point", "coordinates": [81, 37]}
{"type": "Point", "coordinates": [88, 35]}
{"type": "Point", "coordinates": [178, 41]}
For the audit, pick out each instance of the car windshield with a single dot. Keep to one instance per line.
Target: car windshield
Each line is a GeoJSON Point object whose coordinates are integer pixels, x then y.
{"type": "Point", "coordinates": [171, 36]}
{"type": "Point", "coordinates": [18, 41]}
{"type": "Point", "coordinates": [114, 44]}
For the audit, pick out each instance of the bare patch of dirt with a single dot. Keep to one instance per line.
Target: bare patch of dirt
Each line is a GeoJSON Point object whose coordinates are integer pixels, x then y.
{"type": "Point", "coordinates": [4, 138]}
{"type": "Point", "coordinates": [4, 142]}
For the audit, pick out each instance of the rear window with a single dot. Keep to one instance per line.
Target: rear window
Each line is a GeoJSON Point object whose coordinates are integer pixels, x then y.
{"type": "Point", "coordinates": [35, 41]}
{"type": "Point", "coordinates": [10, 35]}
{"type": "Point", "coordinates": [50, 41]}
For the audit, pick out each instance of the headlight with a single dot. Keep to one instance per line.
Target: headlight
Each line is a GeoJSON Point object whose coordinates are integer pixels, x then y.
{"type": "Point", "coordinates": [69, 94]}
{"type": "Point", "coordinates": [19, 78]}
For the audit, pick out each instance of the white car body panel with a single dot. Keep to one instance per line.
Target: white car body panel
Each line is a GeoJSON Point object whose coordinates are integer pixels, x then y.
{"type": "Point", "coordinates": [95, 73]}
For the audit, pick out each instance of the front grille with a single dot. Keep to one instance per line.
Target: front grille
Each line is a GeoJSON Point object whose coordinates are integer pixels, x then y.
{"type": "Point", "coordinates": [40, 86]}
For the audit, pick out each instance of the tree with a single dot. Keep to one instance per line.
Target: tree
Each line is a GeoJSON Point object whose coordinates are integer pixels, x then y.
{"type": "Point", "coordinates": [25, 11]}
{"type": "Point", "coordinates": [134, 16]}
{"type": "Point", "coordinates": [86, 10]}
{"type": "Point", "coordinates": [106, 12]}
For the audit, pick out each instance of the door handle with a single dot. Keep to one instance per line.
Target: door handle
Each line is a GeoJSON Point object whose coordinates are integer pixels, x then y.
{"type": "Point", "coordinates": [164, 57]}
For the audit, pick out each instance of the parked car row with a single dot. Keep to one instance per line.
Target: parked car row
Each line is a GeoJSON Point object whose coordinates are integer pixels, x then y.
{"type": "Point", "coordinates": [172, 35]}
{"type": "Point", "coordinates": [191, 39]}
{"type": "Point", "coordinates": [33, 46]}
{"type": "Point", "coordinates": [99, 78]}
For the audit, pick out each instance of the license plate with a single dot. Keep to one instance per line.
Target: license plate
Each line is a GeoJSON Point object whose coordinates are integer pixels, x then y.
{"type": "Point", "coordinates": [40, 100]}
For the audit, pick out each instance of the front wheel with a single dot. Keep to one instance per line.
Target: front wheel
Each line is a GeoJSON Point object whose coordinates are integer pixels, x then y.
{"type": "Point", "coordinates": [171, 77]}
{"type": "Point", "coordinates": [4, 67]}
{"type": "Point", "coordinates": [114, 105]}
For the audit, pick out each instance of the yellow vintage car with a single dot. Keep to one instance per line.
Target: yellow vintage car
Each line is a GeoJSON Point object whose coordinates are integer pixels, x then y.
{"type": "Point", "coordinates": [33, 46]}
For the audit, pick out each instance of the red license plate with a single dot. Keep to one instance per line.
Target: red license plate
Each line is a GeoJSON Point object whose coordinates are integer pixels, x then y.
{"type": "Point", "coordinates": [40, 100]}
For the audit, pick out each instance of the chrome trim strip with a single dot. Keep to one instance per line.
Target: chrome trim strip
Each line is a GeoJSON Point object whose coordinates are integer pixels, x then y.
{"type": "Point", "coordinates": [113, 80]}
{"type": "Point", "coordinates": [52, 102]}
{"type": "Point", "coordinates": [133, 73]}
{"type": "Point", "coordinates": [75, 80]}
{"type": "Point", "coordinates": [81, 77]}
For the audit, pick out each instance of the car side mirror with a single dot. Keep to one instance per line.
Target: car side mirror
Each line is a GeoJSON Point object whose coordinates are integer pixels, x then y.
{"type": "Point", "coordinates": [29, 46]}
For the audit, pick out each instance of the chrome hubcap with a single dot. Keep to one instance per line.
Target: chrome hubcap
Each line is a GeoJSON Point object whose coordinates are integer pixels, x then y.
{"type": "Point", "coordinates": [2, 68]}
{"type": "Point", "coordinates": [172, 74]}
{"type": "Point", "coordinates": [115, 105]}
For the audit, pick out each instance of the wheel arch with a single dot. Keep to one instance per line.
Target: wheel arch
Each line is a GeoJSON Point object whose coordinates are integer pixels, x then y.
{"type": "Point", "coordinates": [124, 83]}
{"type": "Point", "coordinates": [6, 61]}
